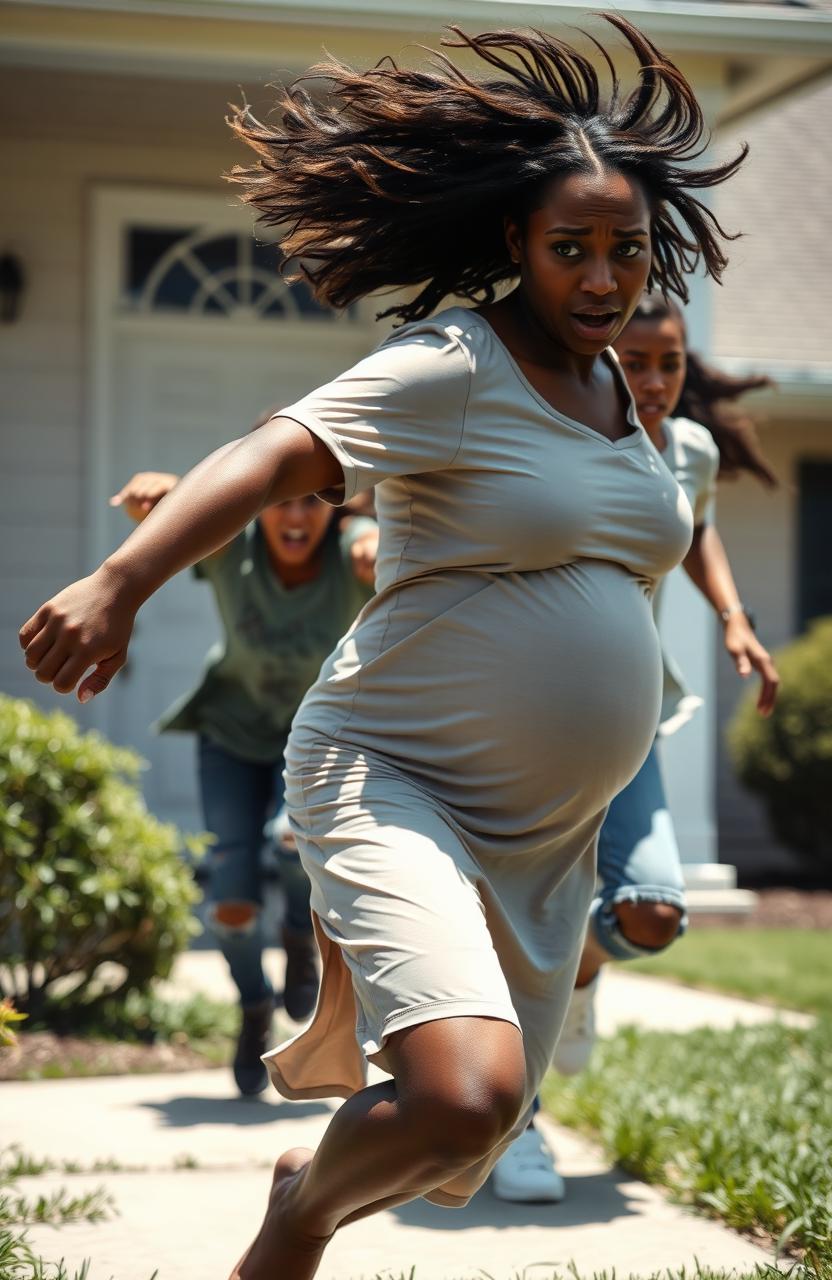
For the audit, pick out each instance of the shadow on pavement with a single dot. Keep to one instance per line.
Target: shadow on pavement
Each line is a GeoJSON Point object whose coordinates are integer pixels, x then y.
{"type": "Point", "coordinates": [591, 1198]}
{"type": "Point", "coordinates": [187, 1112]}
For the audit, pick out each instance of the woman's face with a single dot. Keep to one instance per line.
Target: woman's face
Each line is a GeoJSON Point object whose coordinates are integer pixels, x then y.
{"type": "Point", "coordinates": [294, 530]}
{"type": "Point", "coordinates": [584, 257]}
{"type": "Point", "coordinates": [652, 355]}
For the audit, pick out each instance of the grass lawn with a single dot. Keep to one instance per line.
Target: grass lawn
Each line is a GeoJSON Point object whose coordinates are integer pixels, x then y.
{"type": "Point", "coordinates": [787, 967]}
{"type": "Point", "coordinates": [737, 1123]}
{"type": "Point", "coordinates": [17, 1262]}
{"type": "Point", "coordinates": [540, 1271]}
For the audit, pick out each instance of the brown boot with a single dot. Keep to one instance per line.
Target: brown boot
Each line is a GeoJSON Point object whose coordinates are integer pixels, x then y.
{"type": "Point", "coordinates": [300, 988]}
{"type": "Point", "coordinates": [255, 1032]}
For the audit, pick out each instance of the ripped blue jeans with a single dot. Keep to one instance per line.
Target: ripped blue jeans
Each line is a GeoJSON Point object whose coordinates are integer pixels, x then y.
{"type": "Point", "coordinates": [638, 860]}
{"type": "Point", "coordinates": [238, 798]}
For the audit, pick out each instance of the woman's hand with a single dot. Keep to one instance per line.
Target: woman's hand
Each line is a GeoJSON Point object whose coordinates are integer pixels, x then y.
{"type": "Point", "coordinates": [140, 495]}
{"type": "Point", "coordinates": [88, 624]}
{"type": "Point", "coordinates": [749, 655]}
{"type": "Point", "coordinates": [363, 554]}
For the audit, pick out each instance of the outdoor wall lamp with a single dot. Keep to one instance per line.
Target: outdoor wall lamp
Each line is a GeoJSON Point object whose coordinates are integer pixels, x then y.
{"type": "Point", "coordinates": [12, 285]}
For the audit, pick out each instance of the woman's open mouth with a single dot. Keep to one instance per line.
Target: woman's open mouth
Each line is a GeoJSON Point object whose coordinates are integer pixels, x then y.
{"type": "Point", "coordinates": [651, 409]}
{"type": "Point", "coordinates": [294, 539]}
{"type": "Point", "coordinates": [596, 324]}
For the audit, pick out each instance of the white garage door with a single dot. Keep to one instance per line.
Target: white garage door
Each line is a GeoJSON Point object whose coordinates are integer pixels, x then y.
{"type": "Point", "coordinates": [202, 339]}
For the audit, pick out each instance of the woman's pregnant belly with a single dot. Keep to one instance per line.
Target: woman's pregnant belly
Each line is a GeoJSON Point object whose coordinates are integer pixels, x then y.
{"type": "Point", "coordinates": [520, 701]}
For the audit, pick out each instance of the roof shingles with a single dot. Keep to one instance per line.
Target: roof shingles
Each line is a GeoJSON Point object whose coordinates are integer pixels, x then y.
{"type": "Point", "coordinates": [776, 301]}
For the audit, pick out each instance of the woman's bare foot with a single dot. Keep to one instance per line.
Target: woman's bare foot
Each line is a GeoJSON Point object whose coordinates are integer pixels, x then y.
{"type": "Point", "coordinates": [281, 1249]}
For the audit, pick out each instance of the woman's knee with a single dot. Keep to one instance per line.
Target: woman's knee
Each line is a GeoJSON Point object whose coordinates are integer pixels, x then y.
{"type": "Point", "coordinates": [233, 917]}
{"type": "Point", "coordinates": [466, 1096]}
{"type": "Point", "coordinates": [461, 1125]}
{"type": "Point", "coordinates": [649, 924]}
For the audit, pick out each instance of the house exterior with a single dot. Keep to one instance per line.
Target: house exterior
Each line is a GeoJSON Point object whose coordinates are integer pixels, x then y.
{"type": "Point", "coordinates": [151, 327]}
{"type": "Point", "coordinates": [773, 317]}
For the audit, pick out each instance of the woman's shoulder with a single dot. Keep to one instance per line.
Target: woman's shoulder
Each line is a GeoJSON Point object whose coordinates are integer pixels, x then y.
{"type": "Point", "coordinates": [457, 334]}
{"type": "Point", "coordinates": [695, 439]}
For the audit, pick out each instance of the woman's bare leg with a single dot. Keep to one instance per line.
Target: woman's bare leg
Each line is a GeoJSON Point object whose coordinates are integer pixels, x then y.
{"type": "Point", "coordinates": [457, 1089]}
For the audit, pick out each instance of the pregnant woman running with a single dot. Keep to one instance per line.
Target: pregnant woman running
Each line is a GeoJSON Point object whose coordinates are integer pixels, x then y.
{"type": "Point", "coordinates": [449, 771]}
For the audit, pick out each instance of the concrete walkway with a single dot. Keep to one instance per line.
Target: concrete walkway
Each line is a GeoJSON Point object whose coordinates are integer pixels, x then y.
{"type": "Point", "coordinates": [624, 998]}
{"type": "Point", "coordinates": [201, 1162]}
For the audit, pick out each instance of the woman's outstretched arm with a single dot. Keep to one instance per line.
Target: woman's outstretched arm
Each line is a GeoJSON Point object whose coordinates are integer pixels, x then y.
{"type": "Point", "coordinates": [708, 567]}
{"type": "Point", "coordinates": [89, 623]}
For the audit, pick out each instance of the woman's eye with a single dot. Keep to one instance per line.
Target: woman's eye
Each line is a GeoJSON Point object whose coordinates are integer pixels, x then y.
{"type": "Point", "coordinates": [630, 249]}
{"type": "Point", "coordinates": [567, 249]}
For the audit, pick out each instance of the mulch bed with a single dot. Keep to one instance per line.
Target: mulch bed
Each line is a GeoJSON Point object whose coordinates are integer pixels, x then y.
{"type": "Point", "coordinates": [44, 1055]}
{"type": "Point", "coordinates": [777, 909]}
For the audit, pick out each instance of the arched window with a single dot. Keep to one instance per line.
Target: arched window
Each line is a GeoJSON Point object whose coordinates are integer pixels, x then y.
{"type": "Point", "coordinates": [199, 272]}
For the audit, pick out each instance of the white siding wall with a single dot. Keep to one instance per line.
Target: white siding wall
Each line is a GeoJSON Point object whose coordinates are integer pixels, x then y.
{"type": "Point", "coordinates": [759, 529]}
{"type": "Point", "coordinates": [51, 157]}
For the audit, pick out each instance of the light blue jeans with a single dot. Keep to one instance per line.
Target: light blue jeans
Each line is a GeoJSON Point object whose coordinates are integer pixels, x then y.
{"type": "Point", "coordinates": [238, 797]}
{"type": "Point", "coordinates": [638, 860]}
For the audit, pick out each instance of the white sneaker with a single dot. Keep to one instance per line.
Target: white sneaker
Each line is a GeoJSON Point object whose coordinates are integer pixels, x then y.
{"type": "Point", "coordinates": [578, 1035]}
{"type": "Point", "coordinates": [527, 1173]}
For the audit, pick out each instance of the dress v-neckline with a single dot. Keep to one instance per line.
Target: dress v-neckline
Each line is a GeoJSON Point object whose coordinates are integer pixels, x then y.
{"type": "Point", "coordinates": [628, 441]}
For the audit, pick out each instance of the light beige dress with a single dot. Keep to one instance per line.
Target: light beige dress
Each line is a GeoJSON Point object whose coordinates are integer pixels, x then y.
{"type": "Point", "coordinates": [692, 456]}
{"type": "Point", "coordinates": [448, 772]}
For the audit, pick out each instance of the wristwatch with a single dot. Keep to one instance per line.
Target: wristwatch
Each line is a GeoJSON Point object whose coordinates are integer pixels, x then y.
{"type": "Point", "coordinates": [739, 607]}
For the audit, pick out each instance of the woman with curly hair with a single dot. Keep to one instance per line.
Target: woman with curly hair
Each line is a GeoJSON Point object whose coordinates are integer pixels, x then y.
{"type": "Point", "coordinates": [685, 406]}
{"type": "Point", "coordinates": [449, 771]}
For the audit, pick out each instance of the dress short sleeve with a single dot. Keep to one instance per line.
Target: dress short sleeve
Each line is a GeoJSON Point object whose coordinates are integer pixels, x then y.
{"type": "Point", "coordinates": [399, 411]}
{"type": "Point", "coordinates": [704, 506]}
{"type": "Point", "coordinates": [698, 462]}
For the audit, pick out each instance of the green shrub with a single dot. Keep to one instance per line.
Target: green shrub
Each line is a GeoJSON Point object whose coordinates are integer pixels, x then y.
{"type": "Point", "coordinates": [8, 1017]}
{"type": "Point", "coordinates": [787, 758]}
{"type": "Point", "coordinates": [88, 877]}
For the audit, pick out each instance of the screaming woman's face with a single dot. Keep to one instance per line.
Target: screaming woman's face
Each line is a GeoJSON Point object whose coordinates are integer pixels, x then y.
{"type": "Point", "coordinates": [584, 257]}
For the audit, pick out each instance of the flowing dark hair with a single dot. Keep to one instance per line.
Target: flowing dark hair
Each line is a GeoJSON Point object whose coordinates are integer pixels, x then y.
{"type": "Point", "coordinates": [397, 177]}
{"type": "Point", "coordinates": [706, 397]}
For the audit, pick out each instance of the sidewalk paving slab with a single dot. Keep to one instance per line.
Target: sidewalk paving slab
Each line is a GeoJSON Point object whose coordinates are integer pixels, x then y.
{"type": "Point", "coordinates": [624, 998]}
{"type": "Point", "coordinates": [654, 1004]}
{"type": "Point", "coordinates": [191, 1223]}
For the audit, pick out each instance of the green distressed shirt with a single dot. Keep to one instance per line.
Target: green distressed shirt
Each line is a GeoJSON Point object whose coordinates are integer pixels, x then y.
{"type": "Point", "coordinates": [275, 639]}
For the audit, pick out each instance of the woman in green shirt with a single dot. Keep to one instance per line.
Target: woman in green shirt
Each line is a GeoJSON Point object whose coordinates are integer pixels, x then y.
{"type": "Point", "coordinates": [287, 588]}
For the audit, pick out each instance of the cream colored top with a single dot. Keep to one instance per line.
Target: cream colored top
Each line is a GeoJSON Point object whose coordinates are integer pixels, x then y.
{"type": "Point", "coordinates": [443, 420]}
{"type": "Point", "coordinates": [692, 457]}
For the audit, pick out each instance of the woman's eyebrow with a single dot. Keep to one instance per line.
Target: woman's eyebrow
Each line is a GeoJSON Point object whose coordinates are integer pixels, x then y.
{"type": "Point", "coordinates": [628, 234]}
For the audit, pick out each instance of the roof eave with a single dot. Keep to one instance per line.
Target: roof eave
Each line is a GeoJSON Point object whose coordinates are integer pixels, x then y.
{"type": "Point", "coordinates": [742, 28]}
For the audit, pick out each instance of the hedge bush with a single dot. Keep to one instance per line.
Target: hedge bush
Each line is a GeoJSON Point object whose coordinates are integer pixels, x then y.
{"type": "Point", "coordinates": [787, 758]}
{"type": "Point", "coordinates": [88, 877]}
